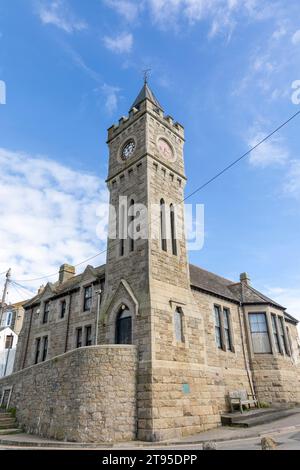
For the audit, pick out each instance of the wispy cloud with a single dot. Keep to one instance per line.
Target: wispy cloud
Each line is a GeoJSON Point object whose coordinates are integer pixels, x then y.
{"type": "Point", "coordinates": [292, 180]}
{"type": "Point", "coordinates": [272, 152]}
{"type": "Point", "coordinates": [296, 37]}
{"type": "Point", "coordinates": [111, 94]}
{"type": "Point", "coordinates": [50, 215]}
{"type": "Point", "coordinates": [120, 44]}
{"type": "Point", "coordinates": [59, 14]}
{"type": "Point", "coordinates": [287, 297]}
{"type": "Point", "coordinates": [126, 8]}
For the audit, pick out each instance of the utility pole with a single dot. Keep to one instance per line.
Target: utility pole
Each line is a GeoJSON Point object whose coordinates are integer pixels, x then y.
{"type": "Point", "coordinates": [7, 281]}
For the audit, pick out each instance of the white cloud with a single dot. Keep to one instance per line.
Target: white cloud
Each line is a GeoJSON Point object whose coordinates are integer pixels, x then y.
{"type": "Point", "coordinates": [272, 152]}
{"type": "Point", "coordinates": [292, 180]}
{"type": "Point", "coordinates": [119, 44]}
{"type": "Point", "coordinates": [296, 37]}
{"type": "Point", "coordinates": [127, 9]}
{"type": "Point", "coordinates": [111, 98]}
{"type": "Point", "coordinates": [49, 215]}
{"type": "Point", "coordinates": [57, 13]}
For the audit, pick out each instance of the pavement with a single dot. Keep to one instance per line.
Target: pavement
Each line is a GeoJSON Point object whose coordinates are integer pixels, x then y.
{"type": "Point", "coordinates": [286, 431]}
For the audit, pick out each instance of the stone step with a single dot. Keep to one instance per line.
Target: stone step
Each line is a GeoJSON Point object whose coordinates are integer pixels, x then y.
{"type": "Point", "coordinates": [7, 422]}
{"type": "Point", "coordinates": [8, 425]}
{"type": "Point", "coordinates": [6, 432]}
{"type": "Point", "coordinates": [249, 419]}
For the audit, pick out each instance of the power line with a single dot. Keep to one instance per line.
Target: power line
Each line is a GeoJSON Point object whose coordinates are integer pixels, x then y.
{"type": "Point", "coordinates": [220, 173]}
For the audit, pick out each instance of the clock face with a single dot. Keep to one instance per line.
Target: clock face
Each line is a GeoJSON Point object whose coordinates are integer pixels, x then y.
{"type": "Point", "coordinates": [128, 149]}
{"type": "Point", "coordinates": [165, 149]}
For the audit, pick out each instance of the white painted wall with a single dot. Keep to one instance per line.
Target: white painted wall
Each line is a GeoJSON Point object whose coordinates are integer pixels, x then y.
{"type": "Point", "coordinates": [7, 356]}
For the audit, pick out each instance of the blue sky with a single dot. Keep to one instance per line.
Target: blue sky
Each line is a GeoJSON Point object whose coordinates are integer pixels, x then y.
{"type": "Point", "coordinates": [223, 68]}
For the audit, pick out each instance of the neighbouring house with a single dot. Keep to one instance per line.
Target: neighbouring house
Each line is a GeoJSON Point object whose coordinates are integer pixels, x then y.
{"type": "Point", "coordinates": [8, 344]}
{"type": "Point", "coordinates": [147, 346]}
{"type": "Point", "coordinates": [11, 325]}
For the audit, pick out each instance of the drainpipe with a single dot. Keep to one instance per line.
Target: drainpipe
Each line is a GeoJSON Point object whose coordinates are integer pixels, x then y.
{"type": "Point", "coordinates": [248, 370]}
{"type": "Point", "coordinates": [98, 292]}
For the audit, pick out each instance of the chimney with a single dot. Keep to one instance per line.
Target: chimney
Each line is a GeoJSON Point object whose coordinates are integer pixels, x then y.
{"type": "Point", "coordinates": [245, 279]}
{"type": "Point", "coordinates": [41, 288]}
{"type": "Point", "coordinates": [66, 271]}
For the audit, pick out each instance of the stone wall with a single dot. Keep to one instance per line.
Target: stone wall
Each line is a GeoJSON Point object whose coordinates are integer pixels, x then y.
{"type": "Point", "coordinates": [276, 379]}
{"type": "Point", "coordinates": [85, 395]}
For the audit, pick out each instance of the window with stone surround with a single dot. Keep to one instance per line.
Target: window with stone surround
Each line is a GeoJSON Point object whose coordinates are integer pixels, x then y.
{"type": "Point", "coordinates": [37, 350]}
{"type": "Point", "coordinates": [259, 333]}
{"type": "Point", "coordinates": [63, 306]}
{"type": "Point", "coordinates": [87, 298]}
{"type": "Point", "coordinates": [78, 337]}
{"type": "Point", "coordinates": [124, 326]}
{"type": "Point", "coordinates": [163, 235]}
{"type": "Point", "coordinates": [88, 335]}
{"type": "Point", "coordinates": [46, 312]}
{"type": "Point", "coordinates": [131, 226]}
{"type": "Point", "coordinates": [178, 325]}
{"type": "Point", "coordinates": [218, 335]}
{"type": "Point", "coordinates": [275, 334]}
{"type": "Point", "coordinates": [45, 348]}
{"type": "Point", "coordinates": [173, 229]}
{"type": "Point", "coordinates": [282, 336]}
{"type": "Point", "coordinates": [227, 329]}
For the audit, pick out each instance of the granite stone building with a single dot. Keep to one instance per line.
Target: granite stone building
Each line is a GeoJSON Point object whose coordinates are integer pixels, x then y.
{"type": "Point", "coordinates": [147, 346]}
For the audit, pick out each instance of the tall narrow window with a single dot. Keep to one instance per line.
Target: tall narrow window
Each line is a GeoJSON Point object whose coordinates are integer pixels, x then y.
{"type": "Point", "coordinates": [227, 332]}
{"type": "Point", "coordinates": [282, 335]}
{"type": "Point", "coordinates": [87, 301]}
{"type": "Point", "coordinates": [124, 327]}
{"type": "Point", "coordinates": [122, 230]}
{"type": "Point", "coordinates": [9, 339]}
{"type": "Point", "coordinates": [45, 348]}
{"type": "Point", "coordinates": [131, 231]}
{"type": "Point", "coordinates": [78, 337]}
{"type": "Point", "coordinates": [163, 225]}
{"type": "Point", "coordinates": [218, 335]}
{"type": "Point", "coordinates": [46, 312]}
{"type": "Point", "coordinates": [63, 309]}
{"type": "Point", "coordinates": [275, 334]}
{"type": "Point", "coordinates": [88, 335]}
{"type": "Point", "coordinates": [178, 325]}
{"type": "Point", "coordinates": [37, 350]}
{"type": "Point", "coordinates": [259, 332]}
{"type": "Point", "coordinates": [289, 340]}
{"type": "Point", "coordinates": [9, 319]}
{"type": "Point", "coordinates": [173, 230]}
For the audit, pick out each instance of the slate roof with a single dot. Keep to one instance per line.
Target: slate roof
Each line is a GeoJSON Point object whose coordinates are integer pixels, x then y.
{"type": "Point", "coordinates": [201, 279]}
{"type": "Point", "coordinates": [237, 292]}
{"type": "Point", "coordinates": [68, 285]}
{"type": "Point", "coordinates": [146, 92]}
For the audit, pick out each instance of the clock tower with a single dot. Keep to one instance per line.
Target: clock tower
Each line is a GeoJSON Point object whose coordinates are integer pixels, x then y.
{"type": "Point", "coordinates": [147, 294]}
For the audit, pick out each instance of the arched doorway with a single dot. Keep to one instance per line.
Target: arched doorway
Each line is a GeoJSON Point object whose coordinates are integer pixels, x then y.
{"type": "Point", "coordinates": [124, 326]}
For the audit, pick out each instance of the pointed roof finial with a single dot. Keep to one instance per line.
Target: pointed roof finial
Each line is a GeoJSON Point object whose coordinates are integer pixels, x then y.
{"type": "Point", "coordinates": [146, 74]}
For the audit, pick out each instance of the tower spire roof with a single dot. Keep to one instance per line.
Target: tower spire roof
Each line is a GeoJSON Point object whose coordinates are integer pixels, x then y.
{"type": "Point", "coordinates": [146, 93]}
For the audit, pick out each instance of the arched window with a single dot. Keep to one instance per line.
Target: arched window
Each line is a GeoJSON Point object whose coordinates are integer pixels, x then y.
{"type": "Point", "coordinates": [131, 230]}
{"type": "Point", "coordinates": [124, 326]}
{"type": "Point", "coordinates": [163, 225]}
{"type": "Point", "coordinates": [122, 229]}
{"type": "Point", "coordinates": [178, 325]}
{"type": "Point", "coordinates": [173, 230]}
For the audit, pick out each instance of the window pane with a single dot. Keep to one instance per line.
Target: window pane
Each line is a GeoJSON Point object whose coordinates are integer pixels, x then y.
{"type": "Point", "coordinates": [218, 337]}
{"type": "Point", "coordinates": [259, 333]}
{"type": "Point", "coordinates": [217, 315]}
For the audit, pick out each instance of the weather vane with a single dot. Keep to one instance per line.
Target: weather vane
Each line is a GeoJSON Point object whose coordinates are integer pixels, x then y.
{"type": "Point", "coordinates": [146, 74]}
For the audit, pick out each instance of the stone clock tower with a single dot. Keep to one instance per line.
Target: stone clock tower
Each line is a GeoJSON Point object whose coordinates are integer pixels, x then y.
{"type": "Point", "coordinates": [147, 277]}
